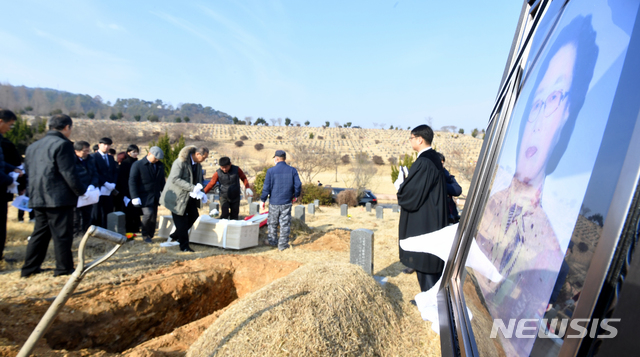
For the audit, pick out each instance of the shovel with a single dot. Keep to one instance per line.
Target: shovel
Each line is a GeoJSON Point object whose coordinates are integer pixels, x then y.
{"type": "Point", "coordinates": [73, 282]}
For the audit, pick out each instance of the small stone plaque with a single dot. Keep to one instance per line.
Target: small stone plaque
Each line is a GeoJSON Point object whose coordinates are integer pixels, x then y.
{"type": "Point", "coordinates": [254, 208]}
{"type": "Point", "coordinates": [379, 212]}
{"type": "Point", "coordinates": [361, 249]}
{"type": "Point", "coordinates": [250, 200]}
{"type": "Point", "coordinates": [299, 213]}
{"type": "Point", "coordinates": [214, 205]}
{"type": "Point", "coordinates": [344, 210]}
{"type": "Point", "coordinates": [395, 208]}
{"type": "Point", "coordinates": [311, 208]}
{"type": "Point", "coordinates": [368, 206]}
{"type": "Point", "coordinates": [316, 203]}
{"type": "Point", "coordinates": [116, 222]}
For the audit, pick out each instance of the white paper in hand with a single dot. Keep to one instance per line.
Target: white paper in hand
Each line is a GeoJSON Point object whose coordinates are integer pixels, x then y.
{"type": "Point", "coordinates": [90, 197]}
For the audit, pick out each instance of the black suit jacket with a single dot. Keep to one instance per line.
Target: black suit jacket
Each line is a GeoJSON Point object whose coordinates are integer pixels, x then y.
{"type": "Point", "coordinates": [105, 174]}
{"type": "Point", "coordinates": [144, 184]}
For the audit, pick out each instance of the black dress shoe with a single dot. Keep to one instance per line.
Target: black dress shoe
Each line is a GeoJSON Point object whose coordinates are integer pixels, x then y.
{"type": "Point", "coordinates": [68, 272]}
{"type": "Point", "coordinates": [37, 271]}
{"type": "Point", "coordinates": [188, 250]}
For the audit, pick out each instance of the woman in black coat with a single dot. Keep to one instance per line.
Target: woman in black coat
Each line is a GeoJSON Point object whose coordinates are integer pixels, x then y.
{"type": "Point", "coordinates": [132, 214]}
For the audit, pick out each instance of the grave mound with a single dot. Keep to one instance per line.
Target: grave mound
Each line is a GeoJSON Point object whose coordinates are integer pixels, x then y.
{"type": "Point", "coordinates": [321, 309]}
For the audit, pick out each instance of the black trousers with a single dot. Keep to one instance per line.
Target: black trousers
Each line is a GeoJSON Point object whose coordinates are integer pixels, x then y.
{"type": "Point", "coordinates": [81, 220]}
{"type": "Point", "coordinates": [3, 224]}
{"type": "Point", "coordinates": [184, 222]}
{"type": "Point", "coordinates": [149, 218]}
{"type": "Point", "coordinates": [132, 218]}
{"type": "Point", "coordinates": [56, 223]}
{"type": "Point", "coordinates": [21, 215]}
{"type": "Point", "coordinates": [101, 210]}
{"type": "Point", "coordinates": [427, 281]}
{"type": "Point", "coordinates": [229, 210]}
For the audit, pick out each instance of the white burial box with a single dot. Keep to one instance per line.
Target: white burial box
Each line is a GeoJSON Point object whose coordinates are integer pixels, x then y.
{"type": "Point", "coordinates": [224, 233]}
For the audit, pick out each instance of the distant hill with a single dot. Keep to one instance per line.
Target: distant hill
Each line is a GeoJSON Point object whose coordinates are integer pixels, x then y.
{"type": "Point", "coordinates": [44, 101]}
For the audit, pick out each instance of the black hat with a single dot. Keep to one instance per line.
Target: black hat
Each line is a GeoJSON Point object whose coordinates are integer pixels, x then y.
{"type": "Point", "coordinates": [280, 153]}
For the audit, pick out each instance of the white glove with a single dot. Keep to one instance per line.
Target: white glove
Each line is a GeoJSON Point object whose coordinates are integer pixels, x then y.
{"type": "Point", "coordinates": [110, 186]}
{"type": "Point", "coordinates": [197, 188]}
{"type": "Point", "coordinates": [204, 198]}
{"type": "Point", "coordinates": [214, 212]}
{"type": "Point", "coordinates": [90, 188]}
{"type": "Point", "coordinates": [136, 202]}
{"type": "Point", "coordinates": [248, 192]}
{"type": "Point", "coordinates": [13, 188]}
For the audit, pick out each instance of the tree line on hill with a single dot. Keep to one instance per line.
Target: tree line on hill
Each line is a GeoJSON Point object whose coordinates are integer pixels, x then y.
{"type": "Point", "coordinates": [45, 101]}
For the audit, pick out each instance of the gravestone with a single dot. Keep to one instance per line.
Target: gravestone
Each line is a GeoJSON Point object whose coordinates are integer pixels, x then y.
{"type": "Point", "coordinates": [343, 210]}
{"type": "Point", "coordinates": [254, 208]}
{"type": "Point", "coordinates": [216, 197]}
{"type": "Point", "coordinates": [299, 213]}
{"type": "Point", "coordinates": [368, 206]}
{"type": "Point", "coordinates": [214, 205]}
{"type": "Point", "coordinates": [116, 222]}
{"type": "Point", "coordinates": [379, 212]}
{"type": "Point", "coordinates": [395, 208]}
{"type": "Point", "coordinates": [361, 249]}
{"type": "Point", "coordinates": [250, 200]}
{"type": "Point", "coordinates": [312, 208]}
{"type": "Point", "coordinates": [316, 203]}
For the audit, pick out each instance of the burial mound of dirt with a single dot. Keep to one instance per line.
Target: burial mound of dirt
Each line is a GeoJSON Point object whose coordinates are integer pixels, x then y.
{"type": "Point", "coordinates": [321, 309]}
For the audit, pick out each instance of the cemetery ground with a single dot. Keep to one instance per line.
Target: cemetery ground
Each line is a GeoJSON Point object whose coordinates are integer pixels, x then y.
{"type": "Point", "coordinates": [147, 300]}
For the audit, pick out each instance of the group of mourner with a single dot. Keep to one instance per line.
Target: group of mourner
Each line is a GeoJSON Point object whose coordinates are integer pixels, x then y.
{"type": "Point", "coordinates": [71, 185]}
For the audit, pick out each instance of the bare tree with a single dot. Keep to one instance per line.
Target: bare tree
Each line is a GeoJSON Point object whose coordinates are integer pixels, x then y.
{"type": "Point", "coordinates": [375, 125]}
{"type": "Point", "coordinates": [449, 128]}
{"type": "Point", "coordinates": [429, 121]}
{"type": "Point", "coordinates": [310, 161]}
{"type": "Point", "coordinates": [248, 120]}
{"type": "Point", "coordinates": [273, 121]}
{"type": "Point", "coordinates": [336, 124]}
{"type": "Point", "coordinates": [362, 172]}
{"type": "Point", "coordinates": [279, 121]}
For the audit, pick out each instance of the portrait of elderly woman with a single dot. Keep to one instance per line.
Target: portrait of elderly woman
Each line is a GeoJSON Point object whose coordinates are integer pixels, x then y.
{"type": "Point", "coordinates": [515, 232]}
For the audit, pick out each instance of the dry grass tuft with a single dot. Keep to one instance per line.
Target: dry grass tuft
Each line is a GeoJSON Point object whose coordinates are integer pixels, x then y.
{"type": "Point", "coordinates": [325, 309]}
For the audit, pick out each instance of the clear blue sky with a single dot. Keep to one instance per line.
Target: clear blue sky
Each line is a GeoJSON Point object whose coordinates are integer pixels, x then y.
{"type": "Point", "coordinates": [389, 61]}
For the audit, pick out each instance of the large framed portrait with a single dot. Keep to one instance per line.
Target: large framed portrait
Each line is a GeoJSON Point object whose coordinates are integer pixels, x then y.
{"type": "Point", "coordinates": [551, 188]}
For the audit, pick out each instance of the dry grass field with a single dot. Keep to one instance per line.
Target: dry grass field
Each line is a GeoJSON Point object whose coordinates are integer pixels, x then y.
{"type": "Point", "coordinates": [132, 298]}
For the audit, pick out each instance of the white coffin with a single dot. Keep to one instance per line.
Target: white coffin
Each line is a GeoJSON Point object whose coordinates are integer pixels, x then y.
{"type": "Point", "coordinates": [224, 233]}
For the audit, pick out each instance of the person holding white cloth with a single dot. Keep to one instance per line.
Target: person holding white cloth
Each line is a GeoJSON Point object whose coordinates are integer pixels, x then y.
{"type": "Point", "coordinates": [146, 182]}
{"type": "Point", "coordinates": [183, 192]}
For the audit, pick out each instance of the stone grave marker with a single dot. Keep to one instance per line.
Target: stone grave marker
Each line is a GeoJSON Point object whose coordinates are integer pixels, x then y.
{"type": "Point", "coordinates": [343, 210]}
{"type": "Point", "coordinates": [368, 206]}
{"type": "Point", "coordinates": [116, 222]}
{"type": "Point", "coordinates": [361, 249]}
{"type": "Point", "coordinates": [312, 208]}
{"type": "Point", "coordinates": [395, 208]}
{"type": "Point", "coordinates": [214, 205]}
{"type": "Point", "coordinates": [249, 200]}
{"type": "Point", "coordinates": [254, 208]}
{"type": "Point", "coordinates": [316, 203]}
{"type": "Point", "coordinates": [299, 212]}
{"type": "Point", "coordinates": [379, 212]}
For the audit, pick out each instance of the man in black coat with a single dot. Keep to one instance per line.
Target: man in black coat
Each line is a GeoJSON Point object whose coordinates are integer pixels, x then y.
{"type": "Point", "coordinates": [422, 197]}
{"type": "Point", "coordinates": [7, 118]}
{"type": "Point", "coordinates": [54, 187]}
{"type": "Point", "coordinates": [131, 213]}
{"type": "Point", "coordinates": [107, 178]}
{"type": "Point", "coordinates": [89, 176]}
{"type": "Point", "coordinates": [146, 182]}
